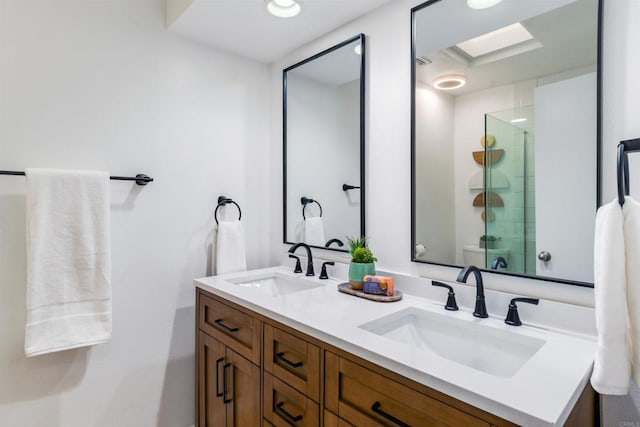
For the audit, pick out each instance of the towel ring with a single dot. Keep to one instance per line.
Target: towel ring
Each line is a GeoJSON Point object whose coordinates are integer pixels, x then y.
{"type": "Point", "coordinates": [222, 201]}
{"type": "Point", "coordinates": [305, 201]}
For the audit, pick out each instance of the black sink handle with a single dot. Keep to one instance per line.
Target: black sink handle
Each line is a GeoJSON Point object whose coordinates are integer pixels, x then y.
{"type": "Point", "coordinates": [513, 318]}
{"type": "Point", "coordinates": [451, 304]}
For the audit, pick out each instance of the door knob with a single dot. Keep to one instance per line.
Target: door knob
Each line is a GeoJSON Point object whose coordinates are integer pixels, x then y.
{"type": "Point", "coordinates": [544, 256]}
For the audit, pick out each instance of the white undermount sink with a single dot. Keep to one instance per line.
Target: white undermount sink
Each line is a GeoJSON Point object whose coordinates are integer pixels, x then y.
{"type": "Point", "coordinates": [491, 350]}
{"type": "Point", "coordinates": [274, 284]}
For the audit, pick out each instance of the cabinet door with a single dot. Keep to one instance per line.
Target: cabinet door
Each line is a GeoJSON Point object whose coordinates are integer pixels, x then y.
{"type": "Point", "coordinates": [241, 390]}
{"type": "Point", "coordinates": [211, 409]}
{"type": "Point", "coordinates": [366, 398]}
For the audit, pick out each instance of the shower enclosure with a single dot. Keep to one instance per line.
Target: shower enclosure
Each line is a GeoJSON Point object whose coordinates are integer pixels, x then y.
{"type": "Point", "coordinates": [509, 208]}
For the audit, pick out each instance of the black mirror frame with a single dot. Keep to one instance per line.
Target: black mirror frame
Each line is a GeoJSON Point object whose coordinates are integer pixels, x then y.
{"type": "Point", "coordinates": [413, 148]}
{"type": "Point", "coordinates": [360, 37]}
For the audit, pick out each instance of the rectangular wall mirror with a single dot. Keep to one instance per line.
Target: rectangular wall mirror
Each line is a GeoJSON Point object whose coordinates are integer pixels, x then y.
{"type": "Point", "coordinates": [506, 136]}
{"type": "Point", "coordinates": [323, 147]}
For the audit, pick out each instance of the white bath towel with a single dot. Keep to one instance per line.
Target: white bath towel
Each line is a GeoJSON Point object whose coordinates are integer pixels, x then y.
{"type": "Point", "coordinates": [631, 212]}
{"type": "Point", "coordinates": [230, 248]}
{"type": "Point", "coordinates": [68, 260]}
{"type": "Point", "coordinates": [611, 367]}
{"type": "Point", "coordinates": [314, 231]}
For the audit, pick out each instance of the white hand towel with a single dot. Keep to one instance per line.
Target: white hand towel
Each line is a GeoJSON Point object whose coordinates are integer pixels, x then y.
{"type": "Point", "coordinates": [230, 248]}
{"type": "Point", "coordinates": [68, 260]}
{"type": "Point", "coordinates": [314, 231]}
{"type": "Point", "coordinates": [631, 212]}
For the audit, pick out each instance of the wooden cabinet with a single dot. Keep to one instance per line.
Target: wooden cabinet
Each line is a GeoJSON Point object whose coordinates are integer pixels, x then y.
{"type": "Point", "coordinates": [293, 360]}
{"type": "Point", "coordinates": [366, 398]}
{"type": "Point", "coordinates": [253, 371]}
{"type": "Point", "coordinates": [228, 386]}
{"type": "Point", "coordinates": [284, 405]}
{"type": "Point", "coordinates": [236, 329]}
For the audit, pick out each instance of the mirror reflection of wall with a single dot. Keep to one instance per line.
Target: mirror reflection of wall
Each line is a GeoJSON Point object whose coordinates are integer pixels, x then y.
{"type": "Point", "coordinates": [324, 146]}
{"type": "Point", "coordinates": [506, 136]}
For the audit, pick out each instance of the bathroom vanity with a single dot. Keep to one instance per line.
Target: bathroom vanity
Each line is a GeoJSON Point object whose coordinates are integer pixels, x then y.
{"type": "Point", "coordinates": [274, 348]}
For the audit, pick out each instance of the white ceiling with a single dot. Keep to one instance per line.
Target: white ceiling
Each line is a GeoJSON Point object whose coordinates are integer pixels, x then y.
{"type": "Point", "coordinates": [246, 28]}
{"type": "Point", "coordinates": [568, 36]}
{"type": "Point", "coordinates": [335, 68]}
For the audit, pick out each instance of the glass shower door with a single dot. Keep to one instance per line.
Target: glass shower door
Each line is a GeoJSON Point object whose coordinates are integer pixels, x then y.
{"type": "Point", "coordinates": [509, 190]}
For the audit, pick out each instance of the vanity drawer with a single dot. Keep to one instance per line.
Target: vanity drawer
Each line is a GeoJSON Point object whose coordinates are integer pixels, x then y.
{"type": "Point", "coordinates": [366, 398]}
{"type": "Point", "coordinates": [285, 406]}
{"type": "Point", "coordinates": [293, 360]}
{"type": "Point", "coordinates": [234, 328]}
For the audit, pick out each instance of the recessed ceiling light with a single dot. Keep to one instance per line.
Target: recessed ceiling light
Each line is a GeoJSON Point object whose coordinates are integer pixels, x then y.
{"type": "Point", "coordinates": [482, 4]}
{"type": "Point", "coordinates": [519, 120]}
{"type": "Point", "coordinates": [499, 39]}
{"type": "Point", "coordinates": [358, 49]}
{"type": "Point", "coordinates": [283, 8]}
{"type": "Point", "coordinates": [449, 82]}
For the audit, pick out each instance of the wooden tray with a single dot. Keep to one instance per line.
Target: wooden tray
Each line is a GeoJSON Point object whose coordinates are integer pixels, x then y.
{"type": "Point", "coordinates": [346, 288]}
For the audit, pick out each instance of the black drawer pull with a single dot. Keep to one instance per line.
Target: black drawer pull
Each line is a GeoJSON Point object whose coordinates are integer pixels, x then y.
{"type": "Point", "coordinates": [287, 416]}
{"type": "Point", "coordinates": [225, 327]}
{"type": "Point", "coordinates": [218, 392]}
{"type": "Point", "coordinates": [376, 408]}
{"type": "Point", "coordinates": [224, 384]}
{"type": "Point", "coordinates": [280, 356]}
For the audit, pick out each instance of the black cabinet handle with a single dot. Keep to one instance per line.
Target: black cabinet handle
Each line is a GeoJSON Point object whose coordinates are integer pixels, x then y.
{"type": "Point", "coordinates": [280, 356]}
{"type": "Point", "coordinates": [218, 392]}
{"type": "Point", "coordinates": [376, 408]}
{"type": "Point", "coordinates": [224, 384]}
{"type": "Point", "coordinates": [287, 416]}
{"type": "Point", "coordinates": [225, 327]}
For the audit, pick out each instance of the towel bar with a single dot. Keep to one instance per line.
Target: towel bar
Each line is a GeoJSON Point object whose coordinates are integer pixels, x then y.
{"type": "Point", "coordinates": [222, 201]}
{"type": "Point", "coordinates": [140, 179]}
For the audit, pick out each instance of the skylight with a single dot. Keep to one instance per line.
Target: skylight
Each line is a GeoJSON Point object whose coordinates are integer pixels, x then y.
{"type": "Point", "coordinates": [496, 40]}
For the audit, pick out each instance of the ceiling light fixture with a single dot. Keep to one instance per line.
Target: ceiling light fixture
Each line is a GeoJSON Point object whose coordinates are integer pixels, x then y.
{"type": "Point", "coordinates": [358, 49]}
{"type": "Point", "coordinates": [283, 8]}
{"type": "Point", "coordinates": [482, 4]}
{"type": "Point", "coordinates": [449, 82]}
{"type": "Point", "coordinates": [519, 120]}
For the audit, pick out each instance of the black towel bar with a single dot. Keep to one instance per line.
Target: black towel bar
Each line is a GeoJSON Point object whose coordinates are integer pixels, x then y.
{"type": "Point", "coordinates": [222, 201]}
{"type": "Point", "coordinates": [140, 179]}
{"type": "Point", "coordinates": [625, 147]}
{"type": "Point", "coordinates": [305, 201]}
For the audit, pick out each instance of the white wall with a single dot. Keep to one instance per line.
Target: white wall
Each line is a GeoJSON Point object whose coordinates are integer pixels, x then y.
{"type": "Point", "coordinates": [323, 140]}
{"type": "Point", "coordinates": [102, 85]}
{"type": "Point", "coordinates": [435, 206]}
{"type": "Point", "coordinates": [564, 137]}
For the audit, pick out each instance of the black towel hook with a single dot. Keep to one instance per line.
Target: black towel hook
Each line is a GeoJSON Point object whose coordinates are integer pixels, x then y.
{"type": "Point", "coordinates": [222, 201]}
{"type": "Point", "coordinates": [305, 201]}
{"type": "Point", "coordinates": [625, 147]}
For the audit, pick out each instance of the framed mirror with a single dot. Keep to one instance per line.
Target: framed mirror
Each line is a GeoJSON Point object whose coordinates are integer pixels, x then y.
{"type": "Point", "coordinates": [323, 147]}
{"type": "Point", "coordinates": [505, 121]}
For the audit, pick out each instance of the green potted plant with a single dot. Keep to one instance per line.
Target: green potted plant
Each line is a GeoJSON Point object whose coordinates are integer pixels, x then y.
{"type": "Point", "coordinates": [487, 241]}
{"type": "Point", "coordinates": [362, 261]}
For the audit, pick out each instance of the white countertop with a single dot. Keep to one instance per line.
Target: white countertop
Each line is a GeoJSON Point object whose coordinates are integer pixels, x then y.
{"type": "Point", "coordinates": [541, 393]}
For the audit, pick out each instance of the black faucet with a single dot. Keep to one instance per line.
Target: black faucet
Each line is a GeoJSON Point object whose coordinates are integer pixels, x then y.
{"type": "Point", "coordinates": [498, 262]}
{"type": "Point", "coordinates": [481, 307]}
{"type": "Point", "coordinates": [293, 248]}
{"type": "Point", "coordinates": [336, 241]}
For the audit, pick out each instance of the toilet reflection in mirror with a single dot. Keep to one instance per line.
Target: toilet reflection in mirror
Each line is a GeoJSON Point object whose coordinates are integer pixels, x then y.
{"type": "Point", "coordinates": [506, 136]}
